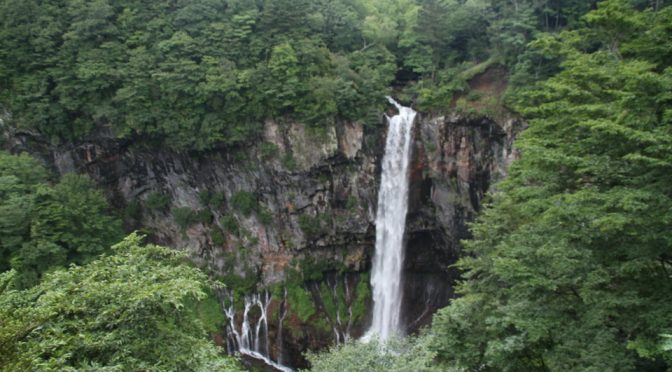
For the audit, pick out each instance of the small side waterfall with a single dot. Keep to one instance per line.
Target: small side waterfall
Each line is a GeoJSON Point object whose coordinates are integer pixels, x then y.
{"type": "Point", "coordinates": [251, 338]}
{"type": "Point", "coordinates": [390, 225]}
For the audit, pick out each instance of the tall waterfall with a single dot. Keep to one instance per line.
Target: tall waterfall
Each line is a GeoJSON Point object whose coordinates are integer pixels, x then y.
{"type": "Point", "coordinates": [390, 225]}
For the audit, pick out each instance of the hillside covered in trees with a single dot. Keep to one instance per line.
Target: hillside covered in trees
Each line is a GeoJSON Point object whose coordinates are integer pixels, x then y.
{"type": "Point", "coordinates": [195, 74]}
{"type": "Point", "coordinates": [569, 263]}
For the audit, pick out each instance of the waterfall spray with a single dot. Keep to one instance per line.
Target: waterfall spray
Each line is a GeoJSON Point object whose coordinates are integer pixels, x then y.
{"type": "Point", "coordinates": [390, 226]}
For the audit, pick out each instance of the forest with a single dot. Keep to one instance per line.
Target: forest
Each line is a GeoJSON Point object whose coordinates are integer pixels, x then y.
{"type": "Point", "coordinates": [568, 264]}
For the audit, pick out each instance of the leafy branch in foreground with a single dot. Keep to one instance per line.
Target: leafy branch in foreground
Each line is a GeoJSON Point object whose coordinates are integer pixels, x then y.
{"type": "Point", "coordinates": [126, 311]}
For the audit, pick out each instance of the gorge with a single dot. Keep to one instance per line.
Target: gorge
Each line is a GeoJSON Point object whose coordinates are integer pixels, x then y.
{"type": "Point", "coordinates": [322, 209]}
{"type": "Point", "coordinates": [219, 185]}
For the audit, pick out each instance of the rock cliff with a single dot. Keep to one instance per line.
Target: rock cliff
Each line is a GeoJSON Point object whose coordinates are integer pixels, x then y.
{"type": "Point", "coordinates": [294, 214]}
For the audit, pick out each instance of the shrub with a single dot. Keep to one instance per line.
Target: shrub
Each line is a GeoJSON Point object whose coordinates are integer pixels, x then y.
{"type": "Point", "coordinates": [363, 294]}
{"type": "Point", "coordinates": [265, 216]}
{"type": "Point", "coordinates": [204, 197]}
{"type": "Point", "coordinates": [158, 201]}
{"type": "Point", "coordinates": [245, 202]}
{"type": "Point", "coordinates": [184, 217]}
{"type": "Point", "coordinates": [217, 200]}
{"type": "Point", "coordinates": [204, 216]}
{"type": "Point", "coordinates": [300, 302]}
{"type": "Point", "coordinates": [133, 211]}
{"type": "Point", "coordinates": [474, 96]}
{"type": "Point", "coordinates": [231, 224]}
{"type": "Point", "coordinates": [312, 269]}
{"type": "Point", "coordinates": [311, 226]}
{"type": "Point", "coordinates": [218, 237]}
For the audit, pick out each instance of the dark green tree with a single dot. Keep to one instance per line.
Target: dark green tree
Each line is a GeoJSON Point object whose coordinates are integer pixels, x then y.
{"type": "Point", "coordinates": [43, 226]}
{"type": "Point", "coordinates": [569, 268]}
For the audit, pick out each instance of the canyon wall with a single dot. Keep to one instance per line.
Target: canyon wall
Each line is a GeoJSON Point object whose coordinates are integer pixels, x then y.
{"type": "Point", "coordinates": [293, 214]}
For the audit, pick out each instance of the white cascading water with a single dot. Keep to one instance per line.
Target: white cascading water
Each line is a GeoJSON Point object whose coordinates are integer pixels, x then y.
{"type": "Point", "coordinates": [390, 226]}
{"type": "Point", "coordinates": [250, 341]}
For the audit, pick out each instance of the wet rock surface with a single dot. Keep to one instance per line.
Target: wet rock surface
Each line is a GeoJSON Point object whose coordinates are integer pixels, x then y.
{"type": "Point", "coordinates": [298, 194]}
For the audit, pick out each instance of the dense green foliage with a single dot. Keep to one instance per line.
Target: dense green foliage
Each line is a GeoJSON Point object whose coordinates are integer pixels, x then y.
{"type": "Point", "coordinates": [199, 73]}
{"type": "Point", "coordinates": [570, 266]}
{"type": "Point", "coordinates": [110, 314]}
{"type": "Point", "coordinates": [412, 354]}
{"type": "Point", "coordinates": [194, 73]}
{"type": "Point", "coordinates": [43, 226]}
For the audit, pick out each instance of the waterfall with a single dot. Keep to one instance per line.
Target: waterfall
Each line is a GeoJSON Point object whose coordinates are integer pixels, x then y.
{"type": "Point", "coordinates": [251, 340]}
{"type": "Point", "coordinates": [390, 225]}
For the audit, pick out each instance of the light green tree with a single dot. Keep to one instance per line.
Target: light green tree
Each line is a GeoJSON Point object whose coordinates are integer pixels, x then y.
{"type": "Point", "coordinates": [126, 311]}
{"type": "Point", "coordinates": [410, 354]}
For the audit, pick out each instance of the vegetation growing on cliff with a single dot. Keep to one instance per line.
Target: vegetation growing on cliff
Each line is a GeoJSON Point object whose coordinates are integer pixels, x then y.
{"type": "Point", "coordinates": [570, 264]}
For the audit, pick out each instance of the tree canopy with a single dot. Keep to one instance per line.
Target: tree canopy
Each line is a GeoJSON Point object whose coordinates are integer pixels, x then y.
{"type": "Point", "coordinates": [201, 73]}
{"type": "Point", "coordinates": [570, 265]}
{"type": "Point", "coordinates": [398, 355]}
{"type": "Point", "coordinates": [45, 225]}
{"type": "Point", "coordinates": [125, 311]}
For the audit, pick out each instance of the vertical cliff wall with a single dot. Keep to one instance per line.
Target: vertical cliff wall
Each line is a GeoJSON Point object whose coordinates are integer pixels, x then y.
{"type": "Point", "coordinates": [297, 209]}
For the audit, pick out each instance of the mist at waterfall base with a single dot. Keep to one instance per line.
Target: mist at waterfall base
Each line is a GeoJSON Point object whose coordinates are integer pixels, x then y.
{"type": "Point", "coordinates": [390, 226]}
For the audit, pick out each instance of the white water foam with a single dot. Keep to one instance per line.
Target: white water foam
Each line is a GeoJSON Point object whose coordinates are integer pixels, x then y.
{"type": "Point", "coordinates": [390, 226]}
{"type": "Point", "coordinates": [250, 341]}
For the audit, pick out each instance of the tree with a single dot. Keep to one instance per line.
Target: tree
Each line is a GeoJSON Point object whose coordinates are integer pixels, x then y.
{"type": "Point", "coordinates": [20, 176]}
{"type": "Point", "coordinates": [125, 311]}
{"type": "Point", "coordinates": [569, 268]}
{"type": "Point", "coordinates": [70, 223]}
{"type": "Point", "coordinates": [411, 354]}
{"type": "Point", "coordinates": [45, 226]}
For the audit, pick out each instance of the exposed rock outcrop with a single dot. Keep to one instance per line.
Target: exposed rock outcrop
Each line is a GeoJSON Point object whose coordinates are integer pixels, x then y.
{"type": "Point", "coordinates": [299, 196]}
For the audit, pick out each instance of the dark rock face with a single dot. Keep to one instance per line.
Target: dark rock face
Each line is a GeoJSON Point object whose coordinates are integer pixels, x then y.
{"type": "Point", "coordinates": [313, 196]}
{"type": "Point", "coordinates": [456, 159]}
